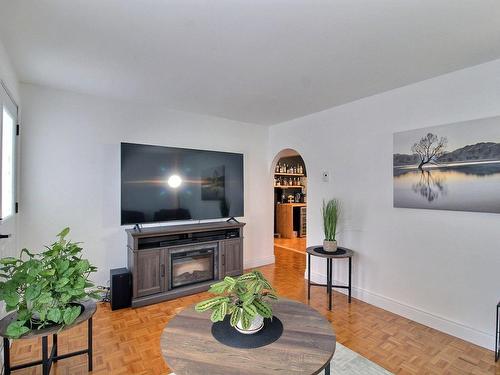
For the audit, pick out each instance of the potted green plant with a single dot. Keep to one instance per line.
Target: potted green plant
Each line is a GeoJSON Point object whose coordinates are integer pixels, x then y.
{"type": "Point", "coordinates": [331, 213]}
{"type": "Point", "coordinates": [44, 288]}
{"type": "Point", "coordinates": [245, 299]}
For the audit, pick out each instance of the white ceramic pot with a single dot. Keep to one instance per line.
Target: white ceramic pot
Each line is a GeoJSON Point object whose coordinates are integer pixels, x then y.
{"type": "Point", "coordinates": [330, 246]}
{"type": "Point", "coordinates": [256, 325]}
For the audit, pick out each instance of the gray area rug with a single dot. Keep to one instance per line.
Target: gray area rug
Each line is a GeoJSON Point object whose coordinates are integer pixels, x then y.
{"type": "Point", "coordinates": [347, 362]}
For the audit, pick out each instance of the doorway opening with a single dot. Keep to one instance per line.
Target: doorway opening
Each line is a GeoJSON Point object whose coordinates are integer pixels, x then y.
{"type": "Point", "coordinates": [290, 203]}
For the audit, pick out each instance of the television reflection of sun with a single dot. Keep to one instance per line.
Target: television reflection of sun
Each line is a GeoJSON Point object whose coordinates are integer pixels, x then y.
{"type": "Point", "coordinates": [163, 181]}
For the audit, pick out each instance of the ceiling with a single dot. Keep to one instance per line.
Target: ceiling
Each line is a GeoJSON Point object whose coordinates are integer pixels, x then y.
{"type": "Point", "coordinates": [258, 61]}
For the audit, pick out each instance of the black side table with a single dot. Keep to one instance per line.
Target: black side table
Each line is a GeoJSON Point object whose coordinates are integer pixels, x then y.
{"type": "Point", "coordinates": [89, 308]}
{"type": "Point", "coordinates": [497, 335]}
{"type": "Point", "coordinates": [341, 253]}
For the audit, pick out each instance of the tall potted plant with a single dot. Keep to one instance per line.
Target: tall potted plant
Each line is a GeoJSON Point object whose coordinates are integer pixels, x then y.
{"type": "Point", "coordinates": [245, 299]}
{"type": "Point", "coordinates": [331, 213]}
{"type": "Point", "coordinates": [44, 289]}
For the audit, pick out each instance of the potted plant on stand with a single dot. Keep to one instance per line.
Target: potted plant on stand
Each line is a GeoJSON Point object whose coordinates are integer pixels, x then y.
{"type": "Point", "coordinates": [44, 289]}
{"type": "Point", "coordinates": [331, 213]}
{"type": "Point", "coordinates": [245, 299]}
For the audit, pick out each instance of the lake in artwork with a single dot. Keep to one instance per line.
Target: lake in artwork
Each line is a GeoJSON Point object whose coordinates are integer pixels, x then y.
{"type": "Point", "coordinates": [449, 167]}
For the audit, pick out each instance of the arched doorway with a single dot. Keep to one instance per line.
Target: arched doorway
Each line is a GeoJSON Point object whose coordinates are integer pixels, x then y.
{"type": "Point", "coordinates": [289, 206]}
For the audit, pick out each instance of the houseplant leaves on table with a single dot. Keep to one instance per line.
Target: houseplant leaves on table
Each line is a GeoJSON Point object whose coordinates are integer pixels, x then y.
{"type": "Point", "coordinates": [245, 299]}
{"type": "Point", "coordinates": [331, 213]}
{"type": "Point", "coordinates": [44, 288]}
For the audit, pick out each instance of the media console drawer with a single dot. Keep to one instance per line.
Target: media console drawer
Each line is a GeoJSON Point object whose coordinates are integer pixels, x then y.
{"type": "Point", "coordinates": [195, 256]}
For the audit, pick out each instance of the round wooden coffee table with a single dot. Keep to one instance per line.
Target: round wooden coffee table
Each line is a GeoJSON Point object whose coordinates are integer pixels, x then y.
{"type": "Point", "coordinates": [305, 347]}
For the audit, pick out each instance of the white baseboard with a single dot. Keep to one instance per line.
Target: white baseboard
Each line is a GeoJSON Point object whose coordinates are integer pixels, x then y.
{"type": "Point", "coordinates": [439, 323]}
{"type": "Point", "coordinates": [252, 263]}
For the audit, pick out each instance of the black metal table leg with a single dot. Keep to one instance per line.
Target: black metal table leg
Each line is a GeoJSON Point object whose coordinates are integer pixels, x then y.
{"type": "Point", "coordinates": [331, 281]}
{"type": "Point", "coordinates": [90, 343]}
{"type": "Point", "coordinates": [54, 347]}
{"type": "Point", "coordinates": [45, 356]}
{"type": "Point", "coordinates": [327, 273]}
{"type": "Point", "coordinates": [308, 277]}
{"type": "Point", "coordinates": [6, 356]}
{"type": "Point", "coordinates": [350, 275]}
{"type": "Point", "coordinates": [329, 284]}
{"type": "Point", "coordinates": [327, 369]}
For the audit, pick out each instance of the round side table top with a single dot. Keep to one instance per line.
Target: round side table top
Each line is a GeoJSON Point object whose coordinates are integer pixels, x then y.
{"type": "Point", "coordinates": [89, 308]}
{"type": "Point", "coordinates": [342, 252]}
{"type": "Point", "coordinates": [305, 347]}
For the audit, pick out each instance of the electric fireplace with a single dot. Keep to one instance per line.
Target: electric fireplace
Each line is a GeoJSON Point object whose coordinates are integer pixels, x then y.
{"type": "Point", "coordinates": [193, 264]}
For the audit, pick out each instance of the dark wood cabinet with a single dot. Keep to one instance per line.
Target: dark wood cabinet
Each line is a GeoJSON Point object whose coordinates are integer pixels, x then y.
{"type": "Point", "coordinates": [151, 267]}
{"type": "Point", "coordinates": [153, 258]}
{"type": "Point", "coordinates": [232, 257]}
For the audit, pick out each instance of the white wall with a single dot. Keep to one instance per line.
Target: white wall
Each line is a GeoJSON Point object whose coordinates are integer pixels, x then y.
{"type": "Point", "coordinates": [436, 267]}
{"type": "Point", "coordinates": [7, 73]}
{"type": "Point", "coordinates": [71, 168]}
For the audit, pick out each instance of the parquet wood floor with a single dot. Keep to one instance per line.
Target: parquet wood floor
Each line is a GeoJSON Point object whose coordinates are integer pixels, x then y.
{"type": "Point", "coordinates": [127, 341]}
{"type": "Point", "coordinates": [290, 244]}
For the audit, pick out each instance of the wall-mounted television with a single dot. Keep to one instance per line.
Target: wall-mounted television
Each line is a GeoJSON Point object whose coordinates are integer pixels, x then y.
{"type": "Point", "coordinates": [161, 184]}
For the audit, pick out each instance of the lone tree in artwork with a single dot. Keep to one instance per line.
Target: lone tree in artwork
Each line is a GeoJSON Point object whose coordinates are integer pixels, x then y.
{"type": "Point", "coordinates": [429, 149]}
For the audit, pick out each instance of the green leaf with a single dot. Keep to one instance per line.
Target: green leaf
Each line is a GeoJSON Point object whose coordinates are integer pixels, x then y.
{"type": "Point", "coordinates": [246, 320]}
{"type": "Point", "coordinates": [251, 310]}
{"type": "Point", "coordinates": [79, 283]}
{"type": "Point", "coordinates": [210, 303]}
{"type": "Point", "coordinates": [247, 277]}
{"type": "Point", "coordinates": [70, 271]}
{"type": "Point", "coordinates": [32, 292]}
{"type": "Point", "coordinates": [263, 308]}
{"type": "Point", "coordinates": [48, 272]}
{"type": "Point", "coordinates": [218, 288]}
{"type": "Point", "coordinates": [63, 233]}
{"type": "Point", "coordinates": [223, 308]}
{"type": "Point", "coordinates": [71, 313]}
{"type": "Point", "coordinates": [44, 298]}
{"type": "Point", "coordinates": [235, 317]}
{"type": "Point", "coordinates": [61, 282]}
{"type": "Point", "coordinates": [65, 298]}
{"type": "Point", "coordinates": [23, 315]}
{"type": "Point", "coordinates": [217, 315]}
{"type": "Point", "coordinates": [62, 265]}
{"type": "Point", "coordinates": [54, 315]}
{"type": "Point", "coordinates": [42, 314]}
{"type": "Point", "coordinates": [11, 298]}
{"type": "Point", "coordinates": [16, 329]}
{"type": "Point", "coordinates": [82, 265]}
{"type": "Point", "coordinates": [9, 261]}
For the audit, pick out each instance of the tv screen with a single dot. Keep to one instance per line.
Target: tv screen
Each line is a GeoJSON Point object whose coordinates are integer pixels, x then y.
{"type": "Point", "coordinates": [167, 183]}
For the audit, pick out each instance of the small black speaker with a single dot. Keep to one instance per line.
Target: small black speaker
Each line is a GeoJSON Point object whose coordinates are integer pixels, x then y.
{"type": "Point", "coordinates": [120, 284]}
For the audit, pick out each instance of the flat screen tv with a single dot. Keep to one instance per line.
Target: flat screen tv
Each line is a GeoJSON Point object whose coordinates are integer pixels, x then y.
{"type": "Point", "coordinates": [167, 183]}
